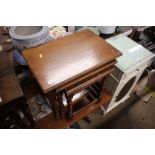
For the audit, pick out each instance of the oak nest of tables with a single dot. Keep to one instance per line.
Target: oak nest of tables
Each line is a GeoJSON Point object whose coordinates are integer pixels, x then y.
{"type": "Point", "coordinates": [76, 65]}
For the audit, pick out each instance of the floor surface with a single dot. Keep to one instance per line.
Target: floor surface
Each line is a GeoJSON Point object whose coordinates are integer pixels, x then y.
{"type": "Point", "coordinates": [132, 114]}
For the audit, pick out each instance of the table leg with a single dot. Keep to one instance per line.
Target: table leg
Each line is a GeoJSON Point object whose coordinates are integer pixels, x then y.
{"type": "Point", "coordinates": [102, 87]}
{"type": "Point", "coordinates": [53, 103]}
{"type": "Point", "coordinates": [61, 106]}
{"type": "Point", "coordinates": [69, 106]}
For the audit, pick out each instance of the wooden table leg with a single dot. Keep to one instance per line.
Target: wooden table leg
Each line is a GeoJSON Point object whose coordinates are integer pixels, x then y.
{"type": "Point", "coordinates": [69, 106]}
{"type": "Point", "coordinates": [53, 103]}
{"type": "Point", "coordinates": [61, 106]}
{"type": "Point", "coordinates": [102, 87]}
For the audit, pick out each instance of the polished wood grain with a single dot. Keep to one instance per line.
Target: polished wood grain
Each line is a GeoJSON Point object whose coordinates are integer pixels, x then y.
{"type": "Point", "coordinates": [86, 77]}
{"type": "Point", "coordinates": [88, 81]}
{"type": "Point", "coordinates": [60, 61]}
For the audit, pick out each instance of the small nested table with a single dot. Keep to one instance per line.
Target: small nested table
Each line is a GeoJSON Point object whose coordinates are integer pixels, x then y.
{"type": "Point", "coordinates": [12, 101]}
{"type": "Point", "coordinates": [71, 71]}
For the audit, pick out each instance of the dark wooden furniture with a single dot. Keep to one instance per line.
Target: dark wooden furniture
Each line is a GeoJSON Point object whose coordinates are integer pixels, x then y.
{"type": "Point", "coordinates": [69, 65]}
{"type": "Point", "coordinates": [7, 46]}
{"type": "Point", "coordinates": [11, 96]}
{"type": "Point", "coordinates": [49, 121]}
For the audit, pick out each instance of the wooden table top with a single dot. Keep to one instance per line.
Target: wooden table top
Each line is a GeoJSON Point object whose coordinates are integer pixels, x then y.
{"type": "Point", "coordinates": [9, 86]}
{"type": "Point", "coordinates": [62, 60]}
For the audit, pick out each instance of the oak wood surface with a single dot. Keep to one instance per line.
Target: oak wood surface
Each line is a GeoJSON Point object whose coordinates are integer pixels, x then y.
{"type": "Point", "coordinates": [63, 60]}
{"type": "Point", "coordinates": [86, 77]}
{"type": "Point", "coordinates": [88, 81]}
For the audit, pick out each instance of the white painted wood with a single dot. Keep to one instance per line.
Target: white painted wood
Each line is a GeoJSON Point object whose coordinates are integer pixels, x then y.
{"type": "Point", "coordinates": [137, 74]}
